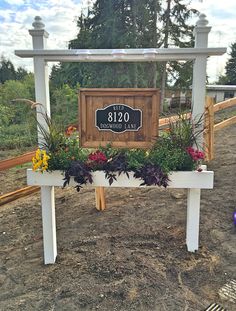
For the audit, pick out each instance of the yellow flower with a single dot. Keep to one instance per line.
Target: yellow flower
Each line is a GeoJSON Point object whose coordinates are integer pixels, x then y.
{"type": "Point", "coordinates": [40, 161]}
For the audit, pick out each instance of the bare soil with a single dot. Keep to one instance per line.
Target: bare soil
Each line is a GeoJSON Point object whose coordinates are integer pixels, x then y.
{"type": "Point", "coordinates": [132, 256]}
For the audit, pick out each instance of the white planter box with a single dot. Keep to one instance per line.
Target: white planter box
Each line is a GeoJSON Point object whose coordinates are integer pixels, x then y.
{"type": "Point", "coordinates": [188, 179]}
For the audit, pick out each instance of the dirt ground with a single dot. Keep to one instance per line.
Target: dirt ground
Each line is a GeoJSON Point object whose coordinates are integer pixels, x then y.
{"type": "Point", "coordinates": [132, 256]}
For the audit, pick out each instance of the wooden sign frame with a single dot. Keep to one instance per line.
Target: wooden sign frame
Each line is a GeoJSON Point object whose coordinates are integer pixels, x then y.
{"type": "Point", "coordinates": [134, 124]}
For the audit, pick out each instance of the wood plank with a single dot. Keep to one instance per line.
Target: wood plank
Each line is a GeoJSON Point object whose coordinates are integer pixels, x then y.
{"type": "Point", "coordinates": [225, 123]}
{"type": "Point", "coordinates": [180, 179]}
{"type": "Point", "coordinates": [166, 121]}
{"type": "Point", "coordinates": [225, 104]}
{"type": "Point", "coordinates": [119, 144]}
{"type": "Point", "coordinates": [97, 198]}
{"type": "Point", "coordinates": [102, 198]}
{"type": "Point", "coordinates": [113, 91]}
{"type": "Point", "coordinates": [12, 196]}
{"type": "Point", "coordinates": [155, 116]}
{"type": "Point", "coordinates": [12, 162]}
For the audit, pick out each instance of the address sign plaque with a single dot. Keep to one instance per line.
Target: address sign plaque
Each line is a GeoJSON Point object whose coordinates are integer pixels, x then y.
{"type": "Point", "coordinates": [118, 118]}
{"type": "Point", "coordinates": [124, 117]}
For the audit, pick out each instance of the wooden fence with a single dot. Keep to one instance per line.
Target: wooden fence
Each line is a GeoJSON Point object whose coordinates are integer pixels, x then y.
{"type": "Point", "coordinates": [12, 162]}
{"type": "Point", "coordinates": [210, 129]}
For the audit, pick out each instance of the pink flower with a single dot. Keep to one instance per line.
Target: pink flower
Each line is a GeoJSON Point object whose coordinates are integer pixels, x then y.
{"type": "Point", "coordinates": [200, 154]}
{"type": "Point", "coordinates": [195, 154]}
{"type": "Point", "coordinates": [97, 157]}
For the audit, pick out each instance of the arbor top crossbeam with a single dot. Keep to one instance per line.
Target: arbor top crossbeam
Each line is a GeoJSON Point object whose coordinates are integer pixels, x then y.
{"type": "Point", "coordinates": [121, 55]}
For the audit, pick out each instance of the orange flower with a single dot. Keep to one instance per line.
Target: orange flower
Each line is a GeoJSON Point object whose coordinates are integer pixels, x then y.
{"type": "Point", "coordinates": [70, 130]}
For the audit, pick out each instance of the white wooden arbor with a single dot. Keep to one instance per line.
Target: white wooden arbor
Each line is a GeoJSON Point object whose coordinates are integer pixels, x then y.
{"type": "Point", "coordinates": [193, 181]}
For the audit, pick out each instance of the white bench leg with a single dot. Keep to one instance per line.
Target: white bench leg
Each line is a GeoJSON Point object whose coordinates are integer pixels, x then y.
{"type": "Point", "coordinates": [49, 224]}
{"type": "Point", "coordinates": [193, 218]}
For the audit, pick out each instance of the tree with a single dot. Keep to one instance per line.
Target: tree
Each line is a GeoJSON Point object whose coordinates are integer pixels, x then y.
{"type": "Point", "coordinates": [126, 24]}
{"type": "Point", "coordinates": [17, 125]}
{"type": "Point", "coordinates": [64, 103]}
{"type": "Point", "coordinates": [113, 24]}
{"type": "Point", "coordinates": [177, 32]}
{"type": "Point", "coordinates": [231, 66]}
{"type": "Point", "coordinates": [8, 71]}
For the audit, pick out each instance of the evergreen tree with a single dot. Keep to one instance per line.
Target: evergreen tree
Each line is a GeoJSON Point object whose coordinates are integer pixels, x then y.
{"type": "Point", "coordinates": [231, 66]}
{"type": "Point", "coordinates": [8, 71]}
{"type": "Point", "coordinates": [125, 24]}
{"type": "Point", "coordinates": [178, 33]}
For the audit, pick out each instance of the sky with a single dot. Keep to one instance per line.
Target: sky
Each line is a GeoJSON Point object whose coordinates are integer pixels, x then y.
{"type": "Point", "coordinates": [59, 17]}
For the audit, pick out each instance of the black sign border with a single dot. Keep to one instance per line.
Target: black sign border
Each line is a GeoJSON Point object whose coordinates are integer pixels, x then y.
{"type": "Point", "coordinates": [127, 130]}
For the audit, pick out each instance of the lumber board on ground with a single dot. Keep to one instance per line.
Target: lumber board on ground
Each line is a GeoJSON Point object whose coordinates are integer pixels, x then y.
{"type": "Point", "coordinates": [12, 196]}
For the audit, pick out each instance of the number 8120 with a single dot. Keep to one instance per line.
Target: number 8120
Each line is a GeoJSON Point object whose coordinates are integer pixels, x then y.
{"type": "Point", "coordinates": [118, 117]}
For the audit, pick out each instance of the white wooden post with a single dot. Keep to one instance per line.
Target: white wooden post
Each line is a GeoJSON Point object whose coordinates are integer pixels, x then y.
{"type": "Point", "coordinates": [193, 218]}
{"type": "Point", "coordinates": [199, 70]}
{"type": "Point", "coordinates": [39, 36]}
{"type": "Point", "coordinates": [198, 108]}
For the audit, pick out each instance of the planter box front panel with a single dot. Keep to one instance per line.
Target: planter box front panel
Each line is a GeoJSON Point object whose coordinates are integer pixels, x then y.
{"type": "Point", "coordinates": [193, 179]}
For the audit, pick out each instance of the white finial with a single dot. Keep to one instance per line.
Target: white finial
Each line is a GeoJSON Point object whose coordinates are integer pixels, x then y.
{"type": "Point", "coordinates": [202, 21]}
{"type": "Point", "coordinates": [38, 24]}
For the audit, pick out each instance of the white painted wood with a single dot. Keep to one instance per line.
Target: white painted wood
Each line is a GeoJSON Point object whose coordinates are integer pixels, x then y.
{"type": "Point", "coordinates": [199, 72]}
{"type": "Point", "coordinates": [193, 218]}
{"type": "Point", "coordinates": [49, 224]}
{"type": "Point", "coordinates": [193, 181]}
{"type": "Point", "coordinates": [39, 37]}
{"type": "Point", "coordinates": [131, 55]}
{"type": "Point", "coordinates": [189, 179]}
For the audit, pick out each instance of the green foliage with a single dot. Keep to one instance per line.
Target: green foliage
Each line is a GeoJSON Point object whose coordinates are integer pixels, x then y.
{"type": "Point", "coordinates": [170, 150]}
{"type": "Point", "coordinates": [136, 158]}
{"type": "Point", "coordinates": [170, 157]}
{"type": "Point", "coordinates": [109, 151]}
{"type": "Point", "coordinates": [18, 136]}
{"type": "Point", "coordinates": [64, 105]}
{"type": "Point", "coordinates": [13, 89]}
{"type": "Point", "coordinates": [70, 152]}
{"type": "Point", "coordinates": [5, 116]}
{"type": "Point", "coordinates": [17, 125]}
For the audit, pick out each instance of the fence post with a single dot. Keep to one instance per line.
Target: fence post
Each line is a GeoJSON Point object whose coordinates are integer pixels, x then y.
{"type": "Point", "coordinates": [199, 71]}
{"type": "Point", "coordinates": [39, 37]}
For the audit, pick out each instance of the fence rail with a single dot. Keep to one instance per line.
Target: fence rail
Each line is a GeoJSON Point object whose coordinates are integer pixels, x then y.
{"type": "Point", "coordinates": [12, 162]}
